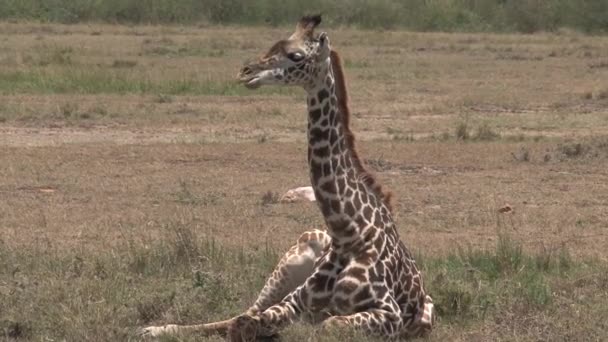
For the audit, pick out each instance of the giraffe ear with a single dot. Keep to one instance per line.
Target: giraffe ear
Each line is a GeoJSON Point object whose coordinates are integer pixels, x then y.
{"type": "Point", "coordinates": [306, 26]}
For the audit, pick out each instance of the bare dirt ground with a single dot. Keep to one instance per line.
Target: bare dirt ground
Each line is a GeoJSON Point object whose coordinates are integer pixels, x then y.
{"type": "Point", "coordinates": [456, 125]}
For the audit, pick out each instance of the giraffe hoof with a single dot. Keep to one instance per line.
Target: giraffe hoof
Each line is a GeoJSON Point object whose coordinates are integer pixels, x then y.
{"type": "Point", "coordinates": [334, 323]}
{"type": "Point", "coordinates": [147, 332]}
{"type": "Point", "coordinates": [244, 329]}
{"type": "Point", "coordinates": [153, 331]}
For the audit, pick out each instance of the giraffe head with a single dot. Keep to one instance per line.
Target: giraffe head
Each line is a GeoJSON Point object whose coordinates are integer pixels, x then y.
{"type": "Point", "coordinates": [297, 60]}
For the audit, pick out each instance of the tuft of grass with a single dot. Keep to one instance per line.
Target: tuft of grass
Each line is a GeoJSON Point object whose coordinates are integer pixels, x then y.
{"type": "Point", "coordinates": [263, 138]}
{"type": "Point", "coordinates": [473, 284]}
{"type": "Point", "coordinates": [523, 155]}
{"type": "Point", "coordinates": [600, 94]}
{"type": "Point", "coordinates": [15, 330]}
{"type": "Point", "coordinates": [185, 195]}
{"type": "Point", "coordinates": [398, 135]}
{"type": "Point", "coordinates": [573, 150]}
{"type": "Point", "coordinates": [163, 98]}
{"type": "Point", "coordinates": [270, 197]}
{"type": "Point", "coordinates": [121, 63]}
{"type": "Point", "coordinates": [51, 55]}
{"type": "Point", "coordinates": [485, 133]}
{"type": "Point", "coordinates": [599, 65]}
{"type": "Point", "coordinates": [68, 110]}
{"type": "Point", "coordinates": [462, 130]}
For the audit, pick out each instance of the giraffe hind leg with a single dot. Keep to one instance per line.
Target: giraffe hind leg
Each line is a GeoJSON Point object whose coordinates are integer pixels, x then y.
{"type": "Point", "coordinates": [215, 328]}
{"type": "Point", "coordinates": [309, 301]}
{"type": "Point", "coordinates": [291, 271]}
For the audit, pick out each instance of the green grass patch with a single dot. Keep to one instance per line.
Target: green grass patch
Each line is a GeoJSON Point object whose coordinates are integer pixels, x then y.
{"type": "Point", "coordinates": [51, 293]}
{"type": "Point", "coordinates": [474, 284]}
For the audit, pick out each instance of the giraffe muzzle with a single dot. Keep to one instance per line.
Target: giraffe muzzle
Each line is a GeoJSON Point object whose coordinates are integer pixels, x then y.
{"type": "Point", "coordinates": [248, 77]}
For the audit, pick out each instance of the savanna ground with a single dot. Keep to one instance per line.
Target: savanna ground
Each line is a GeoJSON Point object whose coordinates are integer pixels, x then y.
{"type": "Point", "coordinates": [139, 183]}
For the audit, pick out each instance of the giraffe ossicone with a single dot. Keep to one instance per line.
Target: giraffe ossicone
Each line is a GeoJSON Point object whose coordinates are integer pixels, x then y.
{"type": "Point", "coordinates": [357, 273]}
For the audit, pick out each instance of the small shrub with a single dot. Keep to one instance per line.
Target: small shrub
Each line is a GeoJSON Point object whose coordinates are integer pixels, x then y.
{"type": "Point", "coordinates": [454, 299]}
{"type": "Point", "coordinates": [462, 131]}
{"type": "Point", "coordinates": [262, 138]}
{"type": "Point", "coordinates": [599, 65]}
{"type": "Point", "coordinates": [68, 109]}
{"type": "Point", "coordinates": [572, 150]}
{"type": "Point", "coordinates": [445, 136]}
{"type": "Point", "coordinates": [523, 155]}
{"type": "Point", "coordinates": [516, 137]}
{"type": "Point", "coordinates": [409, 137]}
{"type": "Point", "coordinates": [163, 98]}
{"type": "Point", "coordinates": [600, 94]}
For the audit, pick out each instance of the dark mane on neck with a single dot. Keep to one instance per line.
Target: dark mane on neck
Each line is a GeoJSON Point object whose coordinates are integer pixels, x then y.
{"type": "Point", "coordinates": [342, 95]}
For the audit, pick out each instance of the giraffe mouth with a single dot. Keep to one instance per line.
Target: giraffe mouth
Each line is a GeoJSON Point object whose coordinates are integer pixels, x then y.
{"type": "Point", "coordinates": [249, 77]}
{"type": "Point", "coordinates": [251, 82]}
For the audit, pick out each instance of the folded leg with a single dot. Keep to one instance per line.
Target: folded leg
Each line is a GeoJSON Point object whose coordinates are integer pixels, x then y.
{"type": "Point", "coordinates": [374, 322]}
{"type": "Point", "coordinates": [312, 297]}
{"type": "Point", "coordinates": [291, 271]}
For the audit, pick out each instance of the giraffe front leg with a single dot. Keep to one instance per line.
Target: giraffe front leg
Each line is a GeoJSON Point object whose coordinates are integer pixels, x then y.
{"type": "Point", "coordinates": [388, 323]}
{"type": "Point", "coordinates": [247, 328]}
{"type": "Point", "coordinates": [376, 322]}
{"type": "Point", "coordinates": [312, 297]}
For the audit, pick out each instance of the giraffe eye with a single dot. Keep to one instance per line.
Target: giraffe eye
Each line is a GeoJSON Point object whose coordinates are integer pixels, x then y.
{"type": "Point", "coordinates": [295, 56]}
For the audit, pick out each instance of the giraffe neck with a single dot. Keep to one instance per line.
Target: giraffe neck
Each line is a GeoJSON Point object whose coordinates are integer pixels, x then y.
{"type": "Point", "coordinates": [350, 200]}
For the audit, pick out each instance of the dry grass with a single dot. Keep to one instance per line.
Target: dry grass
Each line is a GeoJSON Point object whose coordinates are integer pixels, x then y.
{"type": "Point", "coordinates": [138, 182]}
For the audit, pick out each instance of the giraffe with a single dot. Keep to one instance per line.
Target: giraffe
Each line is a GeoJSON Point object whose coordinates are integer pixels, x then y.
{"type": "Point", "coordinates": [358, 273]}
{"type": "Point", "coordinates": [367, 279]}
